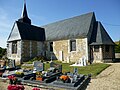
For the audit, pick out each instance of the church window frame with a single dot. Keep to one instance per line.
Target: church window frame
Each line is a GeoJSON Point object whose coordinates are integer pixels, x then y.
{"type": "Point", "coordinates": [96, 48]}
{"type": "Point", "coordinates": [72, 45]}
{"type": "Point", "coordinates": [14, 47]}
{"type": "Point", "coordinates": [51, 46]}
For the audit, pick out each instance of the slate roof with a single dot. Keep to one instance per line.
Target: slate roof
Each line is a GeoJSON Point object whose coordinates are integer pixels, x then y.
{"type": "Point", "coordinates": [28, 32]}
{"type": "Point", "coordinates": [72, 28]}
{"type": "Point", "coordinates": [76, 27]}
{"type": "Point", "coordinates": [100, 36]}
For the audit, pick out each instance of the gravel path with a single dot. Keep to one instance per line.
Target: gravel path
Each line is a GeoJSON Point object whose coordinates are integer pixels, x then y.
{"type": "Point", "coordinates": [109, 79]}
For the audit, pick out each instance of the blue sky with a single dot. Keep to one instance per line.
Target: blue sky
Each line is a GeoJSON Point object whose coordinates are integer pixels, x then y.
{"type": "Point", "coordinates": [42, 12]}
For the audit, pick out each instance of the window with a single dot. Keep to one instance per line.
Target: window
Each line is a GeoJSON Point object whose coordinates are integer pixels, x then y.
{"type": "Point", "coordinates": [14, 47]}
{"type": "Point", "coordinates": [51, 46]}
{"type": "Point", "coordinates": [96, 48]}
{"type": "Point", "coordinates": [73, 45]}
{"type": "Point", "coordinates": [107, 48]}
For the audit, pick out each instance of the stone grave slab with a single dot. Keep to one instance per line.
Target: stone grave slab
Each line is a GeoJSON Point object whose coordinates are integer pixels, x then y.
{"type": "Point", "coordinates": [39, 66]}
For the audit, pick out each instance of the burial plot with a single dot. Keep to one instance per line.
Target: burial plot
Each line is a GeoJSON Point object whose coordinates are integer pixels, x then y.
{"type": "Point", "coordinates": [70, 79]}
{"type": "Point", "coordinates": [53, 72]}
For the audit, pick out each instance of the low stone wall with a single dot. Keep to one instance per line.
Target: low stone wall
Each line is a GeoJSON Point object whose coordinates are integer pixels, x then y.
{"type": "Point", "coordinates": [117, 55]}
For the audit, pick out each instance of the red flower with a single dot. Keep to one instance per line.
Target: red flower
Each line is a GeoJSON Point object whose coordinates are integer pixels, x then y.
{"type": "Point", "coordinates": [15, 87]}
{"type": "Point", "coordinates": [35, 89]}
{"type": "Point", "coordinates": [11, 77]}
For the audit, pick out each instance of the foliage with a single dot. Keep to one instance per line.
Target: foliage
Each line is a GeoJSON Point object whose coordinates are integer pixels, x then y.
{"type": "Point", "coordinates": [27, 67]}
{"type": "Point", "coordinates": [20, 74]}
{"type": "Point", "coordinates": [13, 79]}
{"type": "Point", "coordinates": [38, 58]}
{"type": "Point", "coordinates": [39, 74]}
{"type": "Point", "coordinates": [117, 47]}
{"type": "Point", "coordinates": [2, 52]}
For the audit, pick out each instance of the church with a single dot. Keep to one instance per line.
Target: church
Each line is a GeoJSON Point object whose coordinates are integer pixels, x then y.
{"type": "Point", "coordinates": [66, 40]}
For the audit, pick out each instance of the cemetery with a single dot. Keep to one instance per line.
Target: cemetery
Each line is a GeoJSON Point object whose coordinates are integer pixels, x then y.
{"type": "Point", "coordinates": [56, 76]}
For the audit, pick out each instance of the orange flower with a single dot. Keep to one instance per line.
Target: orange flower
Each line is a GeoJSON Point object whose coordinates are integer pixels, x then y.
{"type": "Point", "coordinates": [64, 77]}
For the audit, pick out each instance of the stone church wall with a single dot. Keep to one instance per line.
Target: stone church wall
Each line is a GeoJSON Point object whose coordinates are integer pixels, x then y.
{"type": "Point", "coordinates": [15, 56]}
{"type": "Point", "coordinates": [108, 56]}
{"type": "Point", "coordinates": [97, 56]}
{"type": "Point", "coordinates": [61, 50]}
{"type": "Point", "coordinates": [31, 49]}
{"type": "Point", "coordinates": [102, 55]}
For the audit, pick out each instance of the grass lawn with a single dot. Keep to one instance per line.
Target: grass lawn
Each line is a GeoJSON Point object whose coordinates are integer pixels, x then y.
{"type": "Point", "coordinates": [93, 69]}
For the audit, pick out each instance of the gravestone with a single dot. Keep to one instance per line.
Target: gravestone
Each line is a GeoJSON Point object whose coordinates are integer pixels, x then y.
{"type": "Point", "coordinates": [57, 66]}
{"type": "Point", "coordinates": [11, 63]}
{"type": "Point", "coordinates": [39, 66]}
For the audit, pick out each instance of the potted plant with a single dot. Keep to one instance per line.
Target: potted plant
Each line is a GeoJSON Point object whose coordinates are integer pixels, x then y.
{"type": "Point", "coordinates": [13, 83]}
{"type": "Point", "coordinates": [39, 76]}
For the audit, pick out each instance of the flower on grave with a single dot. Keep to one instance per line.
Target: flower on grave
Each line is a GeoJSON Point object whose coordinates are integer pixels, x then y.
{"type": "Point", "coordinates": [39, 74]}
{"type": "Point", "coordinates": [35, 88]}
{"type": "Point", "coordinates": [11, 76]}
{"type": "Point", "coordinates": [20, 73]}
{"type": "Point", "coordinates": [15, 87]}
{"type": "Point", "coordinates": [65, 78]}
{"type": "Point", "coordinates": [13, 79]}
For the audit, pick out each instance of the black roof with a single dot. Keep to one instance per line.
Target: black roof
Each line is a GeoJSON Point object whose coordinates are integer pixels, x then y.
{"type": "Point", "coordinates": [100, 36]}
{"type": "Point", "coordinates": [27, 32]}
{"type": "Point", "coordinates": [71, 28]}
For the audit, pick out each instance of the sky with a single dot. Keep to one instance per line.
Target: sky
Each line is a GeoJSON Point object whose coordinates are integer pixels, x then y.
{"type": "Point", "coordinates": [43, 12]}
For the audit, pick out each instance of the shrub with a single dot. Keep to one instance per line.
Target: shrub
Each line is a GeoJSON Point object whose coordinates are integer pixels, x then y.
{"type": "Point", "coordinates": [39, 58]}
{"type": "Point", "coordinates": [2, 52]}
{"type": "Point", "coordinates": [117, 48]}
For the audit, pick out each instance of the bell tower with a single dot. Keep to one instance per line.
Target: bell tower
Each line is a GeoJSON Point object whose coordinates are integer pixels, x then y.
{"type": "Point", "coordinates": [24, 16]}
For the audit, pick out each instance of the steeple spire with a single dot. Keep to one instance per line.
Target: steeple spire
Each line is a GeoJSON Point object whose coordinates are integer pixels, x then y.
{"type": "Point", "coordinates": [24, 17]}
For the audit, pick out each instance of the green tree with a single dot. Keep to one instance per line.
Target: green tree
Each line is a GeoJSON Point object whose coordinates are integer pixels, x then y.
{"type": "Point", "coordinates": [2, 52]}
{"type": "Point", "coordinates": [117, 47]}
